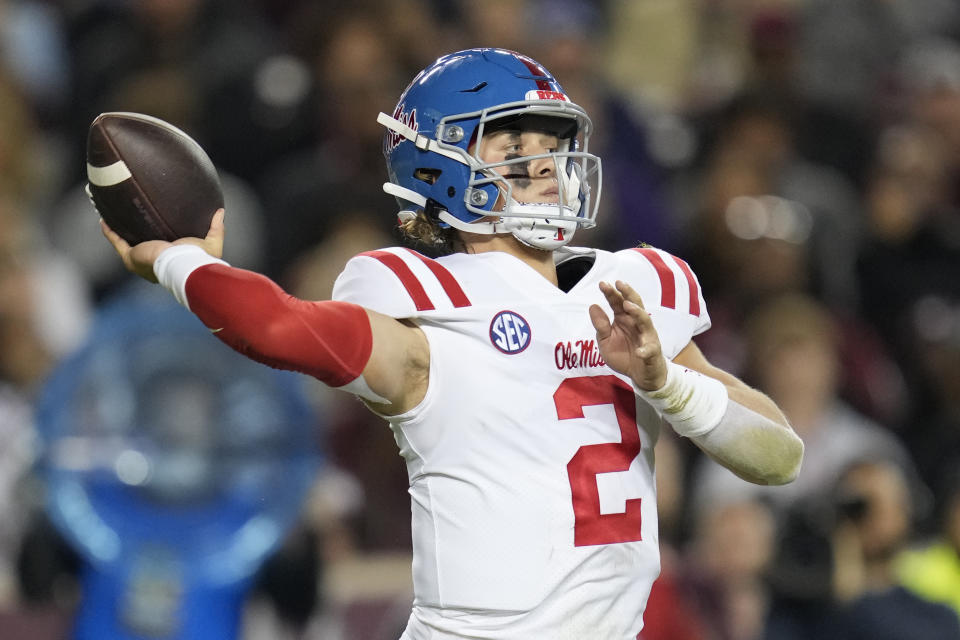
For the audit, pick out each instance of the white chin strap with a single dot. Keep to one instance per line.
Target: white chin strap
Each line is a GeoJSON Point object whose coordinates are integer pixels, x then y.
{"type": "Point", "coordinates": [540, 233]}
{"type": "Point", "coordinates": [546, 235]}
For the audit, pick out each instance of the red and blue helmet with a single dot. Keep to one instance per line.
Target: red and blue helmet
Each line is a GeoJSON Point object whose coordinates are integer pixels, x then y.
{"type": "Point", "coordinates": [434, 132]}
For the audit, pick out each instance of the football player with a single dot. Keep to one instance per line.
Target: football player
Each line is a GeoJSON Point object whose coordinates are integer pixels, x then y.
{"type": "Point", "coordinates": [525, 380]}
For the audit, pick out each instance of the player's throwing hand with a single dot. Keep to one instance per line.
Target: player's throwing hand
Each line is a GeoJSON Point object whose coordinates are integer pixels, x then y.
{"type": "Point", "coordinates": [139, 258]}
{"type": "Point", "coordinates": [629, 344]}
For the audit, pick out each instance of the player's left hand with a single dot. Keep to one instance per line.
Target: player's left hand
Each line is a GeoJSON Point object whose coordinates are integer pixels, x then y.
{"type": "Point", "coordinates": [629, 343]}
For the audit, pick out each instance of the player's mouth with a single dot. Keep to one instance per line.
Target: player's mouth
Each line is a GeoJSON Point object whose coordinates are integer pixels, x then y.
{"type": "Point", "coordinates": [552, 193]}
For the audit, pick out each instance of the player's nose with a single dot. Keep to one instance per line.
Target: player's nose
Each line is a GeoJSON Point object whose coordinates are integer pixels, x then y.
{"type": "Point", "coordinates": [543, 167]}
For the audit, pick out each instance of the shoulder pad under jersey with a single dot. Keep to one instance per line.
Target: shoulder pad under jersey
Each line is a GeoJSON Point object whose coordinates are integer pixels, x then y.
{"type": "Point", "coordinates": [672, 289]}
{"type": "Point", "coordinates": [399, 283]}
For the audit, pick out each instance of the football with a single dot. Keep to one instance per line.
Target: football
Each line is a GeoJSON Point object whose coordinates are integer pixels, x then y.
{"type": "Point", "coordinates": [148, 179]}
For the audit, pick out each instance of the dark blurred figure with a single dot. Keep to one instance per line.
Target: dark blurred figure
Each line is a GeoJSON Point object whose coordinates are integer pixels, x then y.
{"type": "Point", "coordinates": [846, 50]}
{"type": "Point", "coordinates": [913, 198]}
{"type": "Point", "coordinates": [834, 577]}
{"type": "Point", "coordinates": [765, 225]}
{"type": "Point", "coordinates": [874, 524]}
{"type": "Point", "coordinates": [753, 152]}
{"type": "Point", "coordinates": [343, 172]}
{"type": "Point", "coordinates": [44, 314]}
{"type": "Point", "coordinates": [19, 134]}
{"type": "Point", "coordinates": [218, 65]}
{"type": "Point", "coordinates": [33, 48]}
{"type": "Point", "coordinates": [933, 432]}
{"type": "Point", "coordinates": [932, 569]}
{"type": "Point", "coordinates": [24, 360]}
{"type": "Point", "coordinates": [731, 551]}
{"type": "Point", "coordinates": [908, 277]}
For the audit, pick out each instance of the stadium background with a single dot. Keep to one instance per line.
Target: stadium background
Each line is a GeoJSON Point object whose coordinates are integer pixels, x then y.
{"type": "Point", "coordinates": [802, 155]}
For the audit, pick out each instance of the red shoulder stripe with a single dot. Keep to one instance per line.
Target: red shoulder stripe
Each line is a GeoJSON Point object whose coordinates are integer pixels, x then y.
{"type": "Point", "coordinates": [450, 285]}
{"type": "Point", "coordinates": [668, 288]}
{"type": "Point", "coordinates": [691, 285]}
{"type": "Point", "coordinates": [406, 276]}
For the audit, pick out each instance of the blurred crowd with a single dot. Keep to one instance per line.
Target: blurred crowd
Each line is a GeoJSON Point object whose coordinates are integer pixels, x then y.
{"type": "Point", "coordinates": [802, 155]}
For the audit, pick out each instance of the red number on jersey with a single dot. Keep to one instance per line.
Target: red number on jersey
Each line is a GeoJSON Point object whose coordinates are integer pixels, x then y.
{"type": "Point", "coordinates": [590, 526]}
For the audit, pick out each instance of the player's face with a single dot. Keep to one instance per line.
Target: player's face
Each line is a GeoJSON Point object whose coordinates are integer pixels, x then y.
{"type": "Point", "coordinates": [534, 180]}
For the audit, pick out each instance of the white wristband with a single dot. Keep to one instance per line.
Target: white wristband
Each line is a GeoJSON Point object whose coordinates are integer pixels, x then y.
{"type": "Point", "coordinates": [175, 264]}
{"type": "Point", "coordinates": [691, 402]}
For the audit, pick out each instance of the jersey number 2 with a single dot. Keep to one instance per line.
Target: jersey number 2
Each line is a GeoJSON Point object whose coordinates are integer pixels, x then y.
{"type": "Point", "coordinates": [590, 526]}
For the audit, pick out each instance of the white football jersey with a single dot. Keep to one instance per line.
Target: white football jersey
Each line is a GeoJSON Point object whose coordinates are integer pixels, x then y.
{"type": "Point", "coordinates": [530, 460]}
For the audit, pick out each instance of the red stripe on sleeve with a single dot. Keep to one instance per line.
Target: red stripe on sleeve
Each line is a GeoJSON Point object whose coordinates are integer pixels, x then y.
{"type": "Point", "coordinates": [450, 285]}
{"type": "Point", "coordinates": [668, 288]}
{"type": "Point", "coordinates": [406, 276]}
{"type": "Point", "coordinates": [691, 285]}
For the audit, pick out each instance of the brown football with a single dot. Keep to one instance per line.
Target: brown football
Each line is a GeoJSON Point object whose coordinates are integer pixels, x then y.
{"type": "Point", "coordinates": [148, 179]}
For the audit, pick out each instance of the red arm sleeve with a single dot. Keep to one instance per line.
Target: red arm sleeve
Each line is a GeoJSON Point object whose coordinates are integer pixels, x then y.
{"type": "Point", "coordinates": [331, 341]}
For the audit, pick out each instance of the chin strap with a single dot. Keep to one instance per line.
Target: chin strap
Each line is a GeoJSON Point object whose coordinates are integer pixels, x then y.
{"type": "Point", "coordinates": [540, 233]}
{"type": "Point", "coordinates": [544, 234]}
{"type": "Point", "coordinates": [407, 195]}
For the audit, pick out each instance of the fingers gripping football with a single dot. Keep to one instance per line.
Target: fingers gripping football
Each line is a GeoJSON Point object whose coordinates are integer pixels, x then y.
{"type": "Point", "coordinates": [139, 258]}
{"type": "Point", "coordinates": [629, 342]}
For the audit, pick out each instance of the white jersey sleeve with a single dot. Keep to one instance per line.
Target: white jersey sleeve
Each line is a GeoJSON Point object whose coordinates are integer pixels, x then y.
{"type": "Point", "coordinates": [399, 283]}
{"type": "Point", "coordinates": [369, 281]}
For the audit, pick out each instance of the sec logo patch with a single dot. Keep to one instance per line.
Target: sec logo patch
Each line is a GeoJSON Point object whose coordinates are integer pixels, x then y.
{"type": "Point", "coordinates": [509, 332]}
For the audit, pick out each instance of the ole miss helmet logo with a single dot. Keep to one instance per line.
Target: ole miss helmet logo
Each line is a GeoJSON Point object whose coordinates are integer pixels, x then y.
{"type": "Point", "coordinates": [408, 118]}
{"type": "Point", "coordinates": [510, 332]}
